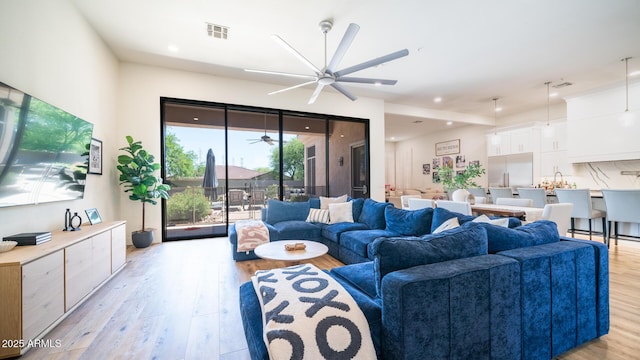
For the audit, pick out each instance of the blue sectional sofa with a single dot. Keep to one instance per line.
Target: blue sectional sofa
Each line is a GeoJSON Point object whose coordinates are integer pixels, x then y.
{"type": "Point", "coordinates": [478, 291]}
{"type": "Point", "coordinates": [348, 242]}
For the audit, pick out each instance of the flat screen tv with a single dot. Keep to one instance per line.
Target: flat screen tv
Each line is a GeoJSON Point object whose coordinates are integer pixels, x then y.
{"type": "Point", "coordinates": [44, 153]}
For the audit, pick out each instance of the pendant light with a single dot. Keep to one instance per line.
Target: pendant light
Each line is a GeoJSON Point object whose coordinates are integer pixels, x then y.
{"type": "Point", "coordinates": [548, 130]}
{"type": "Point", "coordinates": [627, 119]}
{"type": "Point", "coordinates": [495, 139]}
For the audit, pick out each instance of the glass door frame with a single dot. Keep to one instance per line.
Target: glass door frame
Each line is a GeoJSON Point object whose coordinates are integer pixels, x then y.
{"type": "Point", "coordinates": [282, 113]}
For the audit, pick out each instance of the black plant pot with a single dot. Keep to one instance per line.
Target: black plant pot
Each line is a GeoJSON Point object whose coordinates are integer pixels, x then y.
{"type": "Point", "coordinates": [142, 239]}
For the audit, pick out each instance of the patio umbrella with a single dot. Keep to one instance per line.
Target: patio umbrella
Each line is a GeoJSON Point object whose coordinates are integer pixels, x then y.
{"type": "Point", "coordinates": [210, 180]}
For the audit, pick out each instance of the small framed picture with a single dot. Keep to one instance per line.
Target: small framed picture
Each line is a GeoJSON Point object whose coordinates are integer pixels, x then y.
{"type": "Point", "coordinates": [93, 216]}
{"type": "Point", "coordinates": [95, 157]}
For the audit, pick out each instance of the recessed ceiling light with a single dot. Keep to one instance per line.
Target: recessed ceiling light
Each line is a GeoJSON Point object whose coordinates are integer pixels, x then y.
{"type": "Point", "coordinates": [554, 94]}
{"type": "Point", "coordinates": [449, 123]}
{"type": "Point", "coordinates": [341, 135]}
{"type": "Point", "coordinates": [306, 128]}
{"type": "Point", "coordinates": [634, 73]}
{"type": "Point", "coordinates": [437, 99]}
{"type": "Point", "coordinates": [393, 138]}
{"type": "Point", "coordinates": [195, 119]}
{"type": "Point", "coordinates": [173, 48]}
{"type": "Point", "coordinates": [498, 109]}
{"type": "Point", "coordinates": [377, 84]}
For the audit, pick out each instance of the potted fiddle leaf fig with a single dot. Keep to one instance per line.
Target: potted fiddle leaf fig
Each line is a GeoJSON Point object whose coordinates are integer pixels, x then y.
{"type": "Point", "coordinates": [457, 183]}
{"type": "Point", "coordinates": [138, 177]}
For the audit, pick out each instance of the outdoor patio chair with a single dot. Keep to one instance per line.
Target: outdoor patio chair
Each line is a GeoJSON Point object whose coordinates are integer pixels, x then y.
{"type": "Point", "coordinates": [236, 198]}
{"type": "Point", "coordinates": [257, 198]}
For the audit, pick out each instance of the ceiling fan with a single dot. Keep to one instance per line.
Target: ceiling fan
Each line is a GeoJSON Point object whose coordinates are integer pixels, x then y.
{"type": "Point", "coordinates": [328, 75]}
{"type": "Point", "coordinates": [266, 138]}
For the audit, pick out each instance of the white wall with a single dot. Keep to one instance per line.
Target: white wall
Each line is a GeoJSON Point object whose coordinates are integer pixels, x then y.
{"type": "Point", "coordinates": [139, 114]}
{"type": "Point", "coordinates": [49, 52]}
{"type": "Point", "coordinates": [411, 154]}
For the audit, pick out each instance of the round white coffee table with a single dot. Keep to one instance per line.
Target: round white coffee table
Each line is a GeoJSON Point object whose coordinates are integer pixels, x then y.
{"type": "Point", "coordinates": [275, 251]}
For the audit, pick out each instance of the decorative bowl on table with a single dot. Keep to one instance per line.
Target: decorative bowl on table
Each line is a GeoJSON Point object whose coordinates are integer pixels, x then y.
{"type": "Point", "coordinates": [7, 245]}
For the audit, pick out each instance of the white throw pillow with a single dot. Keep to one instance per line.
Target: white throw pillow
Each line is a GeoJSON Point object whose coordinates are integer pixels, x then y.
{"type": "Point", "coordinates": [504, 222]}
{"type": "Point", "coordinates": [325, 201]}
{"type": "Point", "coordinates": [447, 225]}
{"type": "Point", "coordinates": [340, 212]}
{"type": "Point", "coordinates": [318, 216]}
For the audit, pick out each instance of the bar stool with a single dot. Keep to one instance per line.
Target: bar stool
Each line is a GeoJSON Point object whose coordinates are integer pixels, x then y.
{"type": "Point", "coordinates": [622, 206]}
{"type": "Point", "coordinates": [404, 200]}
{"type": "Point", "coordinates": [539, 196]}
{"type": "Point", "coordinates": [582, 209]}
{"type": "Point", "coordinates": [503, 192]}
{"type": "Point", "coordinates": [478, 192]}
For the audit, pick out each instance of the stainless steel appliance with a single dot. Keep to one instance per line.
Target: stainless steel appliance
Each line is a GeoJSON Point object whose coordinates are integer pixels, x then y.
{"type": "Point", "coordinates": [513, 171]}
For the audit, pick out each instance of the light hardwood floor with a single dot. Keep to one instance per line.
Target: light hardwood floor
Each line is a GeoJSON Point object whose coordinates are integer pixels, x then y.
{"type": "Point", "coordinates": [179, 300]}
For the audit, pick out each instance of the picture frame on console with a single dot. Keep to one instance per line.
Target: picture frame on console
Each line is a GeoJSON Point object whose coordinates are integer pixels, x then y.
{"type": "Point", "coordinates": [95, 157]}
{"type": "Point", "coordinates": [93, 216]}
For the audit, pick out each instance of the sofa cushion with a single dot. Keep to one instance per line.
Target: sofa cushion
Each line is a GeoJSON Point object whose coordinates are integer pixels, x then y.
{"type": "Point", "coordinates": [373, 214]}
{"type": "Point", "coordinates": [297, 230]}
{"type": "Point", "coordinates": [398, 253]}
{"type": "Point", "coordinates": [447, 225]}
{"type": "Point", "coordinates": [535, 233]}
{"type": "Point", "coordinates": [340, 212]}
{"type": "Point", "coordinates": [314, 203]}
{"type": "Point", "coordinates": [325, 201]}
{"type": "Point", "coordinates": [357, 208]}
{"type": "Point", "coordinates": [318, 216]}
{"type": "Point", "coordinates": [332, 232]}
{"type": "Point", "coordinates": [359, 241]}
{"type": "Point", "coordinates": [441, 215]}
{"type": "Point", "coordinates": [359, 275]}
{"type": "Point", "coordinates": [408, 222]}
{"type": "Point", "coordinates": [278, 211]}
{"type": "Point", "coordinates": [504, 222]}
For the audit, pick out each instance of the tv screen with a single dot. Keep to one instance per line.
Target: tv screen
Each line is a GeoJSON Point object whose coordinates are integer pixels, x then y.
{"type": "Point", "coordinates": [44, 153]}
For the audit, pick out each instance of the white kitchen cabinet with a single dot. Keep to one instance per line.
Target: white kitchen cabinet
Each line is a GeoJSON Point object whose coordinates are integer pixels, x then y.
{"type": "Point", "coordinates": [498, 144]}
{"type": "Point", "coordinates": [555, 139]}
{"type": "Point", "coordinates": [554, 161]}
{"type": "Point", "coordinates": [521, 140]}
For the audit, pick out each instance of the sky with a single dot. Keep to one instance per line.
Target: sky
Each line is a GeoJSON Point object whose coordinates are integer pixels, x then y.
{"type": "Point", "coordinates": [241, 151]}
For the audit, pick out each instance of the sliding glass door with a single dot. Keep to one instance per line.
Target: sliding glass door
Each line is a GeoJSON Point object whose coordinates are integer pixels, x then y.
{"type": "Point", "coordinates": [225, 162]}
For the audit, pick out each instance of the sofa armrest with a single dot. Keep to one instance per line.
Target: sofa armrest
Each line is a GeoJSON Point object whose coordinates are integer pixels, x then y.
{"type": "Point", "coordinates": [463, 308]}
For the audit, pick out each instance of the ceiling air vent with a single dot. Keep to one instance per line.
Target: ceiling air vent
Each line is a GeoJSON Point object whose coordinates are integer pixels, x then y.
{"type": "Point", "coordinates": [217, 31]}
{"type": "Point", "coordinates": [561, 85]}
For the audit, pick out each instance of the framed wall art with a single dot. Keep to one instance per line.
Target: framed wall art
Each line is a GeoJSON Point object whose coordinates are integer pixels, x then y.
{"type": "Point", "coordinates": [93, 216]}
{"type": "Point", "coordinates": [95, 157]}
{"type": "Point", "coordinates": [448, 147]}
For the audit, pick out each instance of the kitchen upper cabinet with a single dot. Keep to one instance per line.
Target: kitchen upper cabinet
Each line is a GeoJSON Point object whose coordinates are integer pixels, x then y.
{"type": "Point", "coordinates": [509, 142]}
{"type": "Point", "coordinates": [521, 140]}
{"type": "Point", "coordinates": [554, 139]}
{"type": "Point", "coordinates": [498, 144]}
{"type": "Point", "coordinates": [554, 161]}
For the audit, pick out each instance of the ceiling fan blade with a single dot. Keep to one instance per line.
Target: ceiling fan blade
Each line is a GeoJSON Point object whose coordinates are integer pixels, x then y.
{"type": "Point", "coordinates": [280, 74]}
{"type": "Point", "coordinates": [254, 141]}
{"type": "Point", "coordinates": [344, 91]}
{"type": "Point", "coordinates": [315, 94]}
{"type": "Point", "coordinates": [366, 80]}
{"type": "Point", "coordinates": [345, 43]}
{"type": "Point", "coordinates": [269, 142]}
{"type": "Point", "coordinates": [290, 48]}
{"type": "Point", "coordinates": [293, 87]}
{"type": "Point", "coordinates": [373, 62]}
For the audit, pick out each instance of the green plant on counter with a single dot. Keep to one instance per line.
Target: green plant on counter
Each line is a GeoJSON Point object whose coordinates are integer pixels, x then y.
{"type": "Point", "coordinates": [452, 181]}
